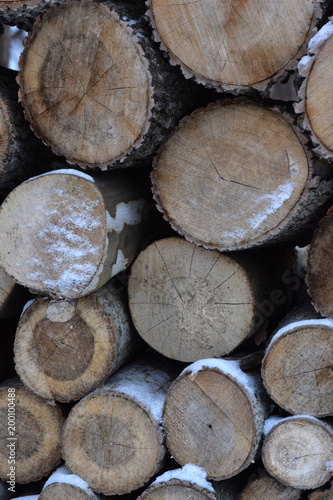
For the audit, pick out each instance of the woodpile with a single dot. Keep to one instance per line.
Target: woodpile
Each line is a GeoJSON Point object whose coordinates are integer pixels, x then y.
{"type": "Point", "coordinates": [165, 251]}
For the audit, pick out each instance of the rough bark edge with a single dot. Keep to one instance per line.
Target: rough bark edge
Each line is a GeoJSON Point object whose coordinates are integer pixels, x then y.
{"type": "Point", "coordinates": [258, 404]}
{"type": "Point", "coordinates": [300, 418]}
{"type": "Point", "coordinates": [261, 86]}
{"type": "Point", "coordinates": [156, 425]}
{"type": "Point", "coordinates": [304, 69]}
{"type": "Point", "coordinates": [177, 482]}
{"type": "Point", "coordinates": [39, 133]}
{"type": "Point", "coordinates": [24, 14]}
{"type": "Point", "coordinates": [301, 218]}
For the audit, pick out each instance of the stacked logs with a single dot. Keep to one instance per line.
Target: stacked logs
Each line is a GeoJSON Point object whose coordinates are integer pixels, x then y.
{"type": "Point", "coordinates": [158, 360]}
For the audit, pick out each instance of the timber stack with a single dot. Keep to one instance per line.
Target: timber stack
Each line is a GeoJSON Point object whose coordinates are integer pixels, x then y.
{"type": "Point", "coordinates": [166, 253]}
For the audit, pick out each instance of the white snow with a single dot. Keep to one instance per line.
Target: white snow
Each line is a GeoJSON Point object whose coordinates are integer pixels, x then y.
{"type": "Point", "coordinates": [126, 213]}
{"type": "Point", "coordinates": [270, 423]}
{"type": "Point", "coordinates": [322, 35]}
{"type": "Point", "coordinates": [62, 475]}
{"type": "Point", "coordinates": [25, 307]}
{"type": "Point", "coordinates": [274, 201]}
{"type": "Point", "coordinates": [70, 171]}
{"type": "Point", "coordinates": [28, 497]}
{"type": "Point", "coordinates": [146, 385]}
{"type": "Point", "coordinates": [329, 465]}
{"type": "Point", "coordinates": [300, 324]}
{"type": "Point", "coordinates": [229, 367]}
{"type": "Point", "coordinates": [303, 61]}
{"type": "Point", "coordinates": [120, 263]}
{"type": "Point", "coordinates": [189, 472]}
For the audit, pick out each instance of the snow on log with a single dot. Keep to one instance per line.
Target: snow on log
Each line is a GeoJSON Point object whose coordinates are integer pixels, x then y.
{"type": "Point", "coordinates": [265, 486]}
{"type": "Point", "coordinates": [98, 93]}
{"type": "Point", "coordinates": [235, 175]}
{"type": "Point", "coordinates": [319, 274]}
{"type": "Point", "coordinates": [297, 367]}
{"type": "Point", "coordinates": [189, 303]}
{"type": "Point", "coordinates": [65, 235]}
{"type": "Point", "coordinates": [316, 94]}
{"type": "Point", "coordinates": [113, 437]}
{"type": "Point", "coordinates": [298, 452]}
{"type": "Point", "coordinates": [66, 349]}
{"type": "Point", "coordinates": [31, 434]}
{"type": "Point", "coordinates": [222, 46]}
{"type": "Point", "coordinates": [64, 485]}
{"type": "Point", "coordinates": [213, 417]}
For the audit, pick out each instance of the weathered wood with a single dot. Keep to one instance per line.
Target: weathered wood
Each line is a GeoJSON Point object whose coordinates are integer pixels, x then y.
{"type": "Point", "coordinates": [221, 44]}
{"type": "Point", "coordinates": [34, 439]}
{"type": "Point", "coordinates": [62, 485]}
{"type": "Point", "coordinates": [66, 349]}
{"type": "Point", "coordinates": [189, 303]}
{"type": "Point", "coordinates": [12, 296]}
{"type": "Point", "coordinates": [203, 189]}
{"type": "Point", "coordinates": [298, 452]}
{"type": "Point", "coordinates": [76, 234]}
{"type": "Point", "coordinates": [315, 94]}
{"type": "Point", "coordinates": [325, 494]}
{"type": "Point", "coordinates": [113, 438]}
{"type": "Point", "coordinates": [319, 273]}
{"type": "Point", "coordinates": [297, 367]}
{"type": "Point", "coordinates": [265, 486]}
{"type": "Point", "coordinates": [89, 90]}
{"type": "Point", "coordinates": [213, 418]}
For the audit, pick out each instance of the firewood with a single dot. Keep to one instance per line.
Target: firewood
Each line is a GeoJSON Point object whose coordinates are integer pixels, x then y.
{"type": "Point", "coordinates": [189, 303]}
{"type": "Point", "coordinates": [113, 438]}
{"type": "Point", "coordinates": [319, 273]}
{"type": "Point", "coordinates": [221, 45]}
{"type": "Point", "coordinates": [297, 365]}
{"type": "Point", "coordinates": [12, 296]}
{"type": "Point", "coordinates": [64, 235]}
{"type": "Point", "coordinates": [65, 349]}
{"type": "Point", "coordinates": [62, 485]}
{"type": "Point", "coordinates": [315, 93]}
{"type": "Point", "coordinates": [265, 486]}
{"type": "Point", "coordinates": [297, 451]}
{"type": "Point", "coordinates": [325, 494]}
{"type": "Point", "coordinates": [236, 175]}
{"type": "Point", "coordinates": [31, 431]}
{"type": "Point", "coordinates": [89, 91]}
{"type": "Point", "coordinates": [213, 418]}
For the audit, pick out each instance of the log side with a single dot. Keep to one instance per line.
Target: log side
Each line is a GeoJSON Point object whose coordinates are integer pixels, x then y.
{"type": "Point", "coordinates": [265, 486]}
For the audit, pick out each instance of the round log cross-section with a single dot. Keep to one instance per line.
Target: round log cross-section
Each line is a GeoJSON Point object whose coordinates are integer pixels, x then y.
{"type": "Point", "coordinates": [80, 96]}
{"type": "Point", "coordinates": [224, 43]}
{"type": "Point", "coordinates": [231, 176]}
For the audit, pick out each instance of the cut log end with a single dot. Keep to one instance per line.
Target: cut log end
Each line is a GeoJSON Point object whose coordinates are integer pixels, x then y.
{"type": "Point", "coordinates": [265, 486]}
{"type": "Point", "coordinates": [222, 45]}
{"type": "Point", "coordinates": [95, 108]}
{"type": "Point", "coordinates": [60, 491]}
{"type": "Point", "coordinates": [189, 303]}
{"type": "Point", "coordinates": [177, 490]}
{"type": "Point", "coordinates": [230, 176]}
{"type": "Point", "coordinates": [112, 443]}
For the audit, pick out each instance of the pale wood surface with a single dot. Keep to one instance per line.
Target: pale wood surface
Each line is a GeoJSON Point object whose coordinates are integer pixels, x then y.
{"type": "Point", "coordinates": [230, 175]}
{"type": "Point", "coordinates": [233, 44]}
{"type": "Point", "coordinates": [94, 108]}
{"type": "Point", "coordinates": [65, 349]}
{"type": "Point", "coordinates": [210, 420]}
{"type": "Point", "coordinates": [296, 452]}
{"type": "Point", "coordinates": [61, 491]}
{"type": "Point", "coordinates": [296, 370]}
{"type": "Point", "coordinates": [38, 428]}
{"type": "Point", "coordinates": [189, 303]}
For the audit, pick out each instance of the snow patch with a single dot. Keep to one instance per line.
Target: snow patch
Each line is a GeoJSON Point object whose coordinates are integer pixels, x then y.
{"type": "Point", "coordinates": [191, 473]}
{"type": "Point", "coordinates": [126, 213]}
{"type": "Point", "coordinates": [329, 465]}
{"type": "Point", "coordinates": [300, 324]}
{"type": "Point", "coordinates": [25, 307]}
{"type": "Point", "coordinates": [274, 201]}
{"type": "Point", "coordinates": [62, 475]}
{"type": "Point", "coordinates": [270, 423]}
{"type": "Point", "coordinates": [120, 263]}
{"type": "Point", "coordinates": [325, 32]}
{"type": "Point", "coordinates": [230, 367]}
{"type": "Point", "coordinates": [70, 171]}
{"type": "Point", "coordinates": [303, 61]}
{"type": "Point", "coordinates": [29, 497]}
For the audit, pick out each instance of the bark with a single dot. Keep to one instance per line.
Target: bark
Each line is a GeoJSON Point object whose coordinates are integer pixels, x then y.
{"type": "Point", "coordinates": [265, 486]}
{"type": "Point", "coordinates": [35, 438]}
{"type": "Point", "coordinates": [65, 349]}
{"type": "Point", "coordinates": [202, 188]}
{"type": "Point", "coordinates": [113, 438]}
{"type": "Point", "coordinates": [62, 484]}
{"type": "Point", "coordinates": [189, 303]}
{"type": "Point", "coordinates": [77, 234]}
{"type": "Point", "coordinates": [297, 364]}
{"type": "Point", "coordinates": [221, 47]}
{"type": "Point", "coordinates": [319, 274]}
{"type": "Point", "coordinates": [213, 418]}
{"type": "Point", "coordinates": [297, 452]}
{"type": "Point", "coordinates": [21, 153]}
{"type": "Point", "coordinates": [326, 494]}
{"type": "Point", "coordinates": [315, 93]}
{"type": "Point", "coordinates": [117, 105]}
{"type": "Point", "coordinates": [12, 296]}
